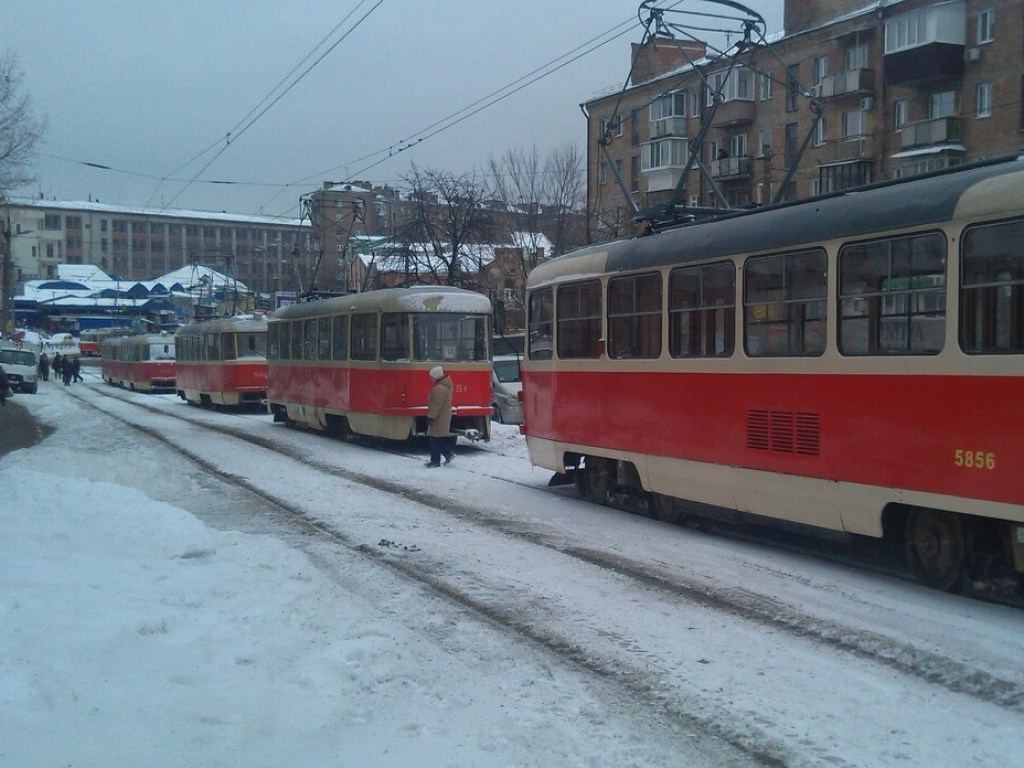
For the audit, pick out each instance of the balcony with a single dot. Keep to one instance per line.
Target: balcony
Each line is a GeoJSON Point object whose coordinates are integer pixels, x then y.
{"type": "Point", "coordinates": [941, 130]}
{"type": "Point", "coordinates": [734, 112]}
{"type": "Point", "coordinates": [926, 44]}
{"type": "Point", "coordinates": [731, 168]}
{"type": "Point", "coordinates": [668, 126]}
{"type": "Point", "coordinates": [855, 81]}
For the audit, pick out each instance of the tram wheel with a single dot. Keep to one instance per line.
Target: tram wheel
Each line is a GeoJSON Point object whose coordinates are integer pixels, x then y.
{"type": "Point", "coordinates": [597, 479]}
{"type": "Point", "coordinates": [663, 508]}
{"type": "Point", "coordinates": [935, 547]}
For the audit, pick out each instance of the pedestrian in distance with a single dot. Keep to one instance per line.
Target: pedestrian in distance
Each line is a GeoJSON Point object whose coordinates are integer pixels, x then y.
{"type": "Point", "coordinates": [67, 372]}
{"type": "Point", "coordinates": [76, 369]}
{"type": "Point", "coordinates": [4, 386]}
{"type": "Point", "coordinates": [58, 366]}
{"type": "Point", "coordinates": [44, 367]}
{"type": "Point", "coordinates": [439, 418]}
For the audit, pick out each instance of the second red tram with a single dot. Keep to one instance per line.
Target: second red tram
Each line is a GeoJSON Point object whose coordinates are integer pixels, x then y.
{"type": "Point", "coordinates": [222, 362]}
{"type": "Point", "coordinates": [359, 363]}
{"type": "Point", "coordinates": [143, 362]}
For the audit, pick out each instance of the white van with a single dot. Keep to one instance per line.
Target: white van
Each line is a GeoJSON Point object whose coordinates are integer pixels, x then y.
{"type": "Point", "coordinates": [22, 369]}
{"type": "Point", "coordinates": [505, 388]}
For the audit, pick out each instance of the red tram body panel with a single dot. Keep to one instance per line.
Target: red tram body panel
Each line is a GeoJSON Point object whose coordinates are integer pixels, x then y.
{"type": "Point", "coordinates": [144, 362]}
{"type": "Point", "coordinates": [853, 362]}
{"type": "Point", "coordinates": [359, 363]}
{"type": "Point", "coordinates": [222, 362]}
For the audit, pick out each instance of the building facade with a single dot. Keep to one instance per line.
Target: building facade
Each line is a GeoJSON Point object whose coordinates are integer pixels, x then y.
{"type": "Point", "coordinates": [132, 244]}
{"type": "Point", "coordinates": [852, 93]}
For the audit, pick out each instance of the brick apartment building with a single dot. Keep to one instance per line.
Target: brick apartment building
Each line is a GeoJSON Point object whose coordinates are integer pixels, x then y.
{"type": "Point", "coordinates": [903, 87]}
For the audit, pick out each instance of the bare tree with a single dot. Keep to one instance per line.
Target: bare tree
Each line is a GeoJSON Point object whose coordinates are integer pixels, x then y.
{"type": "Point", "coordinates": [439, 244]}
{"type": "Point", "coordinates": [564, 193]}
{"type": "Point", "coordinates": [20, 131]}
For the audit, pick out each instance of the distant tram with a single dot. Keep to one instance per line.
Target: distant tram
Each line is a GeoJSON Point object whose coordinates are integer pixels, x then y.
{"type": "Point", "coordinates": [222, 362]}
{"type": "Point", "coordinates": [358, 364]}
{"type": "Point", "coordinates": [89, 340]}
{"type": "Point", "coordinates": [854, 362]}
{"type": "Point", "coordinates": [144, 362]}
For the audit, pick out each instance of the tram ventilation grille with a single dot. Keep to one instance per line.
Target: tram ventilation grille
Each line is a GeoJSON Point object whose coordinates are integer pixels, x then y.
{"type": "Point", "coordinates": [784, 432]}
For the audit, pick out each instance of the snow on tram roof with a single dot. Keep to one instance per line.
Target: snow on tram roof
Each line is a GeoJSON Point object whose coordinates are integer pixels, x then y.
{"type": "Point", "coordinates": [419, 298]}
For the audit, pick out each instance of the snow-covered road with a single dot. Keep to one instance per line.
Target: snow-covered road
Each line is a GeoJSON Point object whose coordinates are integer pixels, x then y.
{"type": "Point", "coordinates": [513, 624]}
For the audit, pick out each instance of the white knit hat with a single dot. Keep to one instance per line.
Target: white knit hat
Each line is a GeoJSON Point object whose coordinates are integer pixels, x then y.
{"type": "Point", "coordinates": [437, 373]}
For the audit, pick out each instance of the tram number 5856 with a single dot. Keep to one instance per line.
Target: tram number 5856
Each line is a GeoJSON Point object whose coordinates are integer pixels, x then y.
{"type": "Point", "coordinates": [974, 459]}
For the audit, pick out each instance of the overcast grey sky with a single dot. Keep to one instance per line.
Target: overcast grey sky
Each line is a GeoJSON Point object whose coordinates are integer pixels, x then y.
{"type": "Point", "coordinates": [145, 86]}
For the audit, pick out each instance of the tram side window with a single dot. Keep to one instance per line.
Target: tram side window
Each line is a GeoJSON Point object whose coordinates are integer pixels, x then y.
{"type": "Point", "coordinates": [340, 337]}
{"type": "Point", "coordinates": [274, 344]}
{"type": "Point", "coordinates": [784, 304]}
{"type": "Point", "coordinates": [394, 336]}
{"type": "Point", "coordinates": [209, 347]}
{"type": "Point", "coordinates": [323, 338]}
{"type": "Point", "coordinates": [227, 347]}
{"type": "Point", "coordinates": [578, 320]}
{"type": "Point", "coordinates": [992, 289]}
{"type": "Point", "coordinates": [702, 311]}
{"type": "Point", "coordinates": [892, 296]}
{"type": "Point", "coordinates": [295, 345]}
{"type": "Point", "coordinates": [541, 324]}
{"type": "Point", "coordinates": [309, 339]}
{"type": "Point", "coordinates": [634, 316]}
{"type": "Point", "coordinates": [364, 337]}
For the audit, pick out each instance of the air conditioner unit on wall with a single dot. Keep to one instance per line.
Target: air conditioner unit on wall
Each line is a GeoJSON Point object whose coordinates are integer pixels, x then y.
{"type": "Point", "coordinates": [867, 103]}
{"type": "Point", "coordinates": [972, 54]}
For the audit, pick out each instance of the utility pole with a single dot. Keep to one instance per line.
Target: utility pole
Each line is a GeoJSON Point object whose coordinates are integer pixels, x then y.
{"type": "Point", "coordinates": [5, 279]}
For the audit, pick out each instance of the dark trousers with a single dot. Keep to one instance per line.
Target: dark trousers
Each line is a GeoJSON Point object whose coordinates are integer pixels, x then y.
{"type": "Point", "coordinates": [439, 445]}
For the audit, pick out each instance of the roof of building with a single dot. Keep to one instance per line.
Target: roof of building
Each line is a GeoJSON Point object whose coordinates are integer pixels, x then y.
{"type": "Point", "coordinates": [154, 212]}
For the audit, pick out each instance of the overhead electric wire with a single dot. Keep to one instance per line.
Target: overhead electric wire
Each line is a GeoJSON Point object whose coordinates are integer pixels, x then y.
{"type": "Point", "coordinates": [482, 103]}
{"type": "Point", "coordinates": [276, 99]}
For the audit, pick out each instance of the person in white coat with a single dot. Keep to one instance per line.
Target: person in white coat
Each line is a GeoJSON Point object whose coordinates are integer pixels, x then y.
{"type": "Point", "coordinates": [439, 418]}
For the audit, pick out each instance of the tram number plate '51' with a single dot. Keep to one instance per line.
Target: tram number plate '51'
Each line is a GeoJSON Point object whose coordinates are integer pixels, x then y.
{"type": "Point", "coordinates": [974, 459]}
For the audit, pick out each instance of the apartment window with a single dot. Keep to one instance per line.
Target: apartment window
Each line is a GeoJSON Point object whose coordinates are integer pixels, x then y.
{"type": "Point", "coordinates": [51, 221]}
{"type": "Point", "coordinates": [792, 143]}
{"type": "Point", "coordinates": [793, 89]}
{"type": "Point", "coordinates": [985, 26]}
{"type": "Point", "coordinates": [900, 110]}
{"type": "Point", "coordinates": [820, 69]}
{"type": "Point", "coordinates": [736, 84]}
{"type": "Point", "coordinates": [853, 124]}
{"type": "Point", "coordinates": [602, 172]}
{"type": "Point", "coordinates": [634, 173]}
{"type": "Point", "coordinates": [764, 142]}
{"type": "Point", "coordinates": [819, 131]}
{"type": "Point", "coordinates": [892, 296]}
{"type": "Point", "coordinates": [942, 104]}
{"type": "Point", "coordinates": [906, 32]}
{"type": "Point", "coordinates": [664, 153]}
{"type": "Point", "coordinates": [702, 311]}
{"type": "Point", "coordinates": [695, 104]}
{"type": "Point", "coordinates": [784, 304]}
{"type": "Point", "coordinates": [983, 100]}
{"type": "Point", "coordinates": [634, 316]}
{"type": "Point", "coordinates": [856, 57]}
{"type": "Point", "coordinates": [738, 145]}
{"type": "Point", "coordinates": [634, 128]}
{"type": "Point", "coordinates": [611, 126]}
{"type": "Point", "coordinates": [765, 83]}
{"type": "Point", "coordinates": [669, 105]}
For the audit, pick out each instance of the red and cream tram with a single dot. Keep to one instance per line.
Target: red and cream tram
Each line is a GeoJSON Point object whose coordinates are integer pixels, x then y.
{"type": "Point", "coordinates": [853, 362]}
{"type": "Point", "coordinates": [144, 362]}
{"type": "Point", "coordinates": [222, 362]}
{"type": "Point", "coordinates": [359, 363]}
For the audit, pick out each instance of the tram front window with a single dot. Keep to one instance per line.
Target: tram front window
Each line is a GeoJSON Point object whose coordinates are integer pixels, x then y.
{"type": "Point", "coordinates": [448, 337]}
